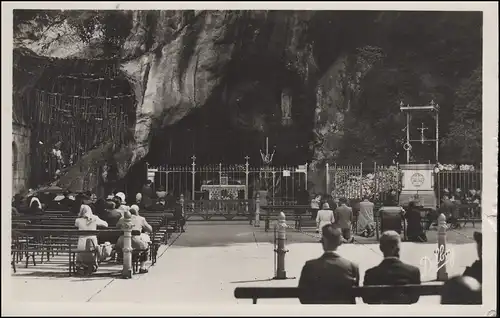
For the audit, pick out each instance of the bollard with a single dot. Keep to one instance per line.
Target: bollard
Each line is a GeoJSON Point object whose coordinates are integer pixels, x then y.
{"type": "Point", "coordinates": [127, 245]}
{"type": "Point", "coordinates": [281, 251]}
{"type": "Point", "coordinates": [442, 253]}
{"type": "Point", "coordinates": [257, 211]}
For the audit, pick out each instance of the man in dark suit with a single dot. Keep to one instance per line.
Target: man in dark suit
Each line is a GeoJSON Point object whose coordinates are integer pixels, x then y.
{"type": "Point", "coordinates": [343, 219]}
{"type": "Point", "coordinates": [329, 279]}
{"type": "Point", "coordinates": [391, 271]}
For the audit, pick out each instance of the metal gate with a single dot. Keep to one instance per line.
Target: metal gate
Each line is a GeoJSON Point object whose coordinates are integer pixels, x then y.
{"type": "Point", "coordinates": [222, 190]}
{"type": "Point", "coordinates": [466, 180]}
{"type": "Point", "coordinates": [377, 181]}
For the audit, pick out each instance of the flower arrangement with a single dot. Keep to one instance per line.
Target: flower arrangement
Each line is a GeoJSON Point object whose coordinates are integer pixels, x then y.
{"type": "Point", "coordinates": [453, 167]}
{"type": "Point", "coordinates": [352, 186]}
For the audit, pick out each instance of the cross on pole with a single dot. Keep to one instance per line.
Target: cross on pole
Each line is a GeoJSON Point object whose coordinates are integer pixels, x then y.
{"type": "Point", "coordinates": [422, 129]}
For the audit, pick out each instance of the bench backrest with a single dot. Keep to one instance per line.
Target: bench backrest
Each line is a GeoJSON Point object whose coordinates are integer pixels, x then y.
{"type": "Point", "coordinates": [256, 293]}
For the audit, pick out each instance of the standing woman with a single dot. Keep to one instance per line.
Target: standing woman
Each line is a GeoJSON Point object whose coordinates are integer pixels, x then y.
{"type": "Point", "coordinates": [324, 217]}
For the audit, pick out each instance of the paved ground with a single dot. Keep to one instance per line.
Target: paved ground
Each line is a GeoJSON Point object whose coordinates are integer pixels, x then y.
{"type": "Point", "coordinates": [207, 262]}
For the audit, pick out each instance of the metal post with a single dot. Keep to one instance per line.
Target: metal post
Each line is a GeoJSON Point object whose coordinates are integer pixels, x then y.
{"type": "Point", "coordinates": [361, 180]}
{"type": "Point", "coordinates": [127, 245]}
{"type": "Point", "coordinates": [274, 180]}
{"type": "Point", "coordinates": [327, 179]}
{"type": "Point", "coordinates": [437, 137]}
{"type": "Point", "coordinates": [375, 176]}
{"type": "Point", "coordinates": [257, 210]}
{"type": "Point", "coordinates": [307, 167]}
{"type": "Point", "coordinates": [166, 181]}
{"type": "Point", "coordinates": [246, 176]}
{"type": "Point", "coordinates": [280, 250]}
{"type": "Point", "coordinates": [408, 136]}
{"type": "Point", "coordinates": [442, 253]}
{"type": "Point", "coordinates": [335, 180]}
{"type": "Point", "coordinates": [193, 172]}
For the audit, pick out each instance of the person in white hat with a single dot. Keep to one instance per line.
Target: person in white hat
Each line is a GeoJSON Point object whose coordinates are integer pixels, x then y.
{"type": "Point", "coordinates": [122, 196]}
{"type": "Point", "coordinates": [121, 203]}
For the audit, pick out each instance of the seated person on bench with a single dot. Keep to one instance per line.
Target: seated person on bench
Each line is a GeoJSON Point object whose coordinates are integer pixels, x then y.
{"type": "Point", "coordinates": [87, 221]}
{"type": "Point", "coordinates": [391, 271]}
{"type": "Point", "coordinates": [160, 206]}
{"type": "Point", "coordinates": [140, 241]}
{"type": "Point", "coordinates": [329, 279]}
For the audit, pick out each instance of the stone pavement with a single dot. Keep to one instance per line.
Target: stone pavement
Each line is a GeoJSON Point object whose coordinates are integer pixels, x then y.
{"type": "Point", "coordinates": [207, 262]}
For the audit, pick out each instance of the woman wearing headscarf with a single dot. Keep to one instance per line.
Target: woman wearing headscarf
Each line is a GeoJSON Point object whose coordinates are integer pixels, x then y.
{"type": "Point", "coordinates": [324, 217]}
{"type": "Point", "coordinates": [35, 206]}
{"type": "Point", "coordinates": [87, 221]}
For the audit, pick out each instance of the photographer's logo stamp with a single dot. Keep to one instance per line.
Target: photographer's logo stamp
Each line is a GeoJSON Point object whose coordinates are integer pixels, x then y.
{"type": "Point", "coordinates": [442, 257]}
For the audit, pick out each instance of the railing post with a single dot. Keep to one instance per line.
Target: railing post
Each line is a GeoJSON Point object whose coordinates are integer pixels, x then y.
{"type": "Point", "coordinates": [193, 171]}
{"type": "Point", "coordinates": [327, 179]}
{"type": "Point", "coordinates": [281, 251]}
{"type": "Point", "coordinates": [247, 165]}
{"type": "Point", "coordinates": [335, 180]}
{"type": "Point", "coordinates": [360, 180]}
{"type": "Point", "coordinates": [127, 245]}
{"type": "Point", "coordinates": [257, 211]}
{"type": "Point", "coordinates": [442, 253]}
{"type": "Point", "coordinates": [274, 181]}
{"type": "Point", "coordinates": [307, 167]}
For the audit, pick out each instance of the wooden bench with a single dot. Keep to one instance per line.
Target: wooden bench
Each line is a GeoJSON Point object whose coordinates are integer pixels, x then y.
{"type": "Point", "coordinates": [47, 242]}
{"type": "Point", "coordinates": [292, 212]}
{"type": "Point", "coordinates": [256, 293]}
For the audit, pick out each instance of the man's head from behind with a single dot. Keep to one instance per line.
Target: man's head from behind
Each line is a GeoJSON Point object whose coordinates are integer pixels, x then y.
{"type": "Point", "coordinates": [461, 290]}
{"type": "Point", "coordinates": [331, 237]}
{"type": "Point", "coordinates": [390, 244]}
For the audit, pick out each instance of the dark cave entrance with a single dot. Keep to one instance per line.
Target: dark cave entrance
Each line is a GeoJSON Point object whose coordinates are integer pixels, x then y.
{"type": "Point", "coordinates": [244, 110]}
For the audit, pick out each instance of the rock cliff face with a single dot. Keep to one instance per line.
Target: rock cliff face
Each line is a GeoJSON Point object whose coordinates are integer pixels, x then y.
{"type": "Point", "coordinates": [236, 63]}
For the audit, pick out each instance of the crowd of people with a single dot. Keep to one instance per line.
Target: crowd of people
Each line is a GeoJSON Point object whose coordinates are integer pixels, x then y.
{"type": "Point", "coordinates": [92, 213]}
{"type": "Point", "coordinates": [344, 213]}
{"type": "Point", "coordinates": [339, 211]}
{"type": "Point", "coordinates": [460, 204]}
{"type": "Point", "coordinates": [329, 279]}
